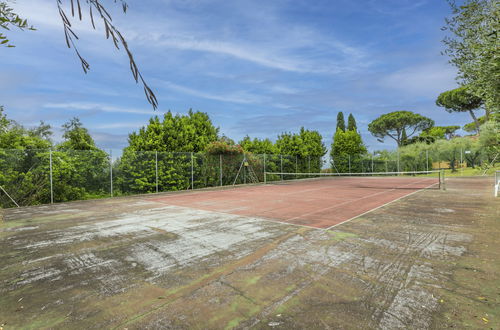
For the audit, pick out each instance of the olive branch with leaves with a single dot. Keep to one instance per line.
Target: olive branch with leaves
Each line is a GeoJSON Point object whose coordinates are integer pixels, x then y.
{"type": "Point", "coordinates": [97, 11]}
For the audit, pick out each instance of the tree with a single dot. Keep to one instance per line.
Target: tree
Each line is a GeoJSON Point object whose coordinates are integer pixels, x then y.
{"type": "Point", "coordinates": [395, 123]}
{"type": "Point", "coordinates": [258, 146]}
{"type": "Point", "coordinates": [308, 148]}
{"type": "Point", "coordinates": [15, 136]}
{"type": "Point", "coordinates": [472, 45]}
{"type": "Point", "coordinates": [306, 143]}
{"type": "Point", "coordinates": [179, 133]}
{"type": "Point", "coordinates": [440, 132]}
{"type": "Point", "coordinates": [346, 149]}
{"type": "Point", "coordinates": [351, 123]}
{"type": "Point", "coordinates": [23, 162]}
{"type": "Point", "coordinates": [170, 144]}
{"type": "Point", "coordinates": [460, 100]}
{"type": "Point", "coordinates": [223, 147]}
{"type": "Point", "coordinates": [96, 9]}
{"type": "Point", "coordinates": [489, 140]}
{"type": "Point", "coordinates": [80, 167]}
{"type": "Point", "coordinates": [471, 127]}
{"type": "Point", "coordinates": [44, 131]}
{"type": "Point", "coordinates": [76, 136]}
{"type": "Point", "coordinates": [340, 121]}
{"type": "Point", "coordinates": [434, 133]}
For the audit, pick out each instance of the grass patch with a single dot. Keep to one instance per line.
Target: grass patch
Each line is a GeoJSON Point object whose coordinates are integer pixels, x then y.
{"type": "Point", "coordinates": [340, 235]}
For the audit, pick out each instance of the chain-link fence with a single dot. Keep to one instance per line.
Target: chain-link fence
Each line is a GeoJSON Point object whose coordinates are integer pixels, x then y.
{"type": "Point", "coordinates": [33, 177]}
{"type": "Point", "coordinates": [453, 159]}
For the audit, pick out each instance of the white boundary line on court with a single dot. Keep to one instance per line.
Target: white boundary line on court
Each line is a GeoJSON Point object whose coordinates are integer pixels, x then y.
{"type": "Point", "coordinates": [316, 228]}
{"type": "Point", "coordinates": [311, 227]}
{"type": "Point", "coordinates": [378, 207]}
{"type": "Point", "coordinates": [355, 200]}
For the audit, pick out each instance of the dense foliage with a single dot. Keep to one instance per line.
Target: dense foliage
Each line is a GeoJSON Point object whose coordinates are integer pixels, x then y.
{"type": "Point", "coordinates": [258, 146]}
{"type": "Point", "coordinates": [460, 100]}
{"type": "Point", "coordinates": [434, 133]}
{"type": "Point", "coordinates": [25, 162]}
{"type": "Point", "coordinates": [347, 147]}
{"type": "Point", "coordinates": [182, 134]}
{"type": "Point", "coordinates": [472, 45]}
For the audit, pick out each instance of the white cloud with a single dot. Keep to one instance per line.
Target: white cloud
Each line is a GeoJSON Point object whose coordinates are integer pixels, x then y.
{"type": "Point", "coordinates": [243, 52]}
{"type": "Point", "coordinates": [44, 14]}
{"type": "Point", "coordinates": [425, 80]}
{"type": "Point", "coordinates": [134, 124]}
{"type": "Point", "coordinates": [96, 107]}
{"type": "Point", "coordinates": [240, 97]}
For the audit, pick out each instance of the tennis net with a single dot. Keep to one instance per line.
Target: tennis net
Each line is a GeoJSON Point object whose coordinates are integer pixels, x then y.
{"type": "Point", "coordinates": [376, 180]}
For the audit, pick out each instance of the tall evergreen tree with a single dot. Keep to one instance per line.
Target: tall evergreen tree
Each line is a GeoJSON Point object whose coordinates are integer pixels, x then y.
{"type": "Point", "coordinates": [351, 123]}
{"type": "Point", "coordinates": [340, 121]}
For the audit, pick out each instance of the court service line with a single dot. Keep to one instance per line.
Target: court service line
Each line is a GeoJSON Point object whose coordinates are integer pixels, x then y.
{"type": "Point", "coordinates": [378, 207]}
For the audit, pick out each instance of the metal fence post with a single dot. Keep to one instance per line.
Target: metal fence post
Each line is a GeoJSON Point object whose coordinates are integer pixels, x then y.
{"type": "Point", "coordinates": [398, 161]}
{"type": "Point", "coordinates": [220, 169]}
{"type": "Point", "coordinates": [461, 161]}
{"type": "Point", "coordinates": [372, 163]}
{"type": "Point", "coordinates": [50, 175]}
{"type": "Point", "coordinates": [427, 160]}
{"type": "Point", "coordinates": [156, 169]}
{"type": "Point", "coordinates": [309, 166]}
{"type": "Point", "coordinates": [349, 158]}
{"type": "Point", "coordinates": [265, 176]}
{"type": "Point", "coordinates": [296, 166]}
{"type": "Point", "coordinates": [281, 166]}
{"type": "Point", "coordinates": [111, 172]}
{"type": "Point", "coordinates": [192, 171]}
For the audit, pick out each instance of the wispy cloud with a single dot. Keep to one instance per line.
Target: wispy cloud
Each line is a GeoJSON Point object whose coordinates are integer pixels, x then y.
{"type": "Point", "coordinates": [239, 97]}
{"type": "Point", "coordinates": [134, 124]}
{"type": "Point", "coordinates": [243, 52]}
{"type": "Point", "coordinates": [422, 80]}
{"type": "Point", "coordinates": [96, 107]}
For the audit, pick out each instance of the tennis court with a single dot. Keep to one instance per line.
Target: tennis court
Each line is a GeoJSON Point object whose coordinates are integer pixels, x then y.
{"type": "Point", "coordinates": [204, 259]}
{"type": "Point", "coordinates": [319, 201]}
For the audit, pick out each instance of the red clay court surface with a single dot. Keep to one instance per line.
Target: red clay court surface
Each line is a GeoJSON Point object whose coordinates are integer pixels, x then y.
{"type": "Point", "coordinates": [322, 203]}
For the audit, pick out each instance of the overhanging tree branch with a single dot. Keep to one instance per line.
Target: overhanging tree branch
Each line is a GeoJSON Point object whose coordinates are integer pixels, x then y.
{"type": "Point", "coordinates": [95, 6]}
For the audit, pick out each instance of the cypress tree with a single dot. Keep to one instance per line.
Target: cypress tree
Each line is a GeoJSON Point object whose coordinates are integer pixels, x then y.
{"type": "Point", "coordinates": [351, 123]}
{"type": "Point", "coordinates": [340, 121]}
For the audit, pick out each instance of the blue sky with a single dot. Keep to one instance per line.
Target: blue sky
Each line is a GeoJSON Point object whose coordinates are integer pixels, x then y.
{"type": "Point", "coordinates": [257, 67]}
